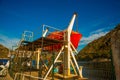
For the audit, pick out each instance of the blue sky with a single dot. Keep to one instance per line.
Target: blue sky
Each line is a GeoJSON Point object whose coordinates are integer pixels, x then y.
{"type": "Point", "coordinates": [95, 17]}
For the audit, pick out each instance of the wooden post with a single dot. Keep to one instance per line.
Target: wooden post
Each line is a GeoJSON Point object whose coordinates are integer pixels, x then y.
{"type": "Point", "coordinates": [68, 47]}
{"type": "Point", "coordinates": [38, 57]}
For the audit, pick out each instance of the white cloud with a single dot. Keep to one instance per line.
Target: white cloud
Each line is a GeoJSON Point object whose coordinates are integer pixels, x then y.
{"type": "Point", "coordinates": [97, 31]}
{"type": "Point", "coordinates": [7, 41]}
{"type": "Point", "coordinates": [93, 35]}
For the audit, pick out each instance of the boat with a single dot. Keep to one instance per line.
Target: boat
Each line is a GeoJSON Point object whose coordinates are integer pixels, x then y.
{"type": "Point", "coordinates": [59, 35]}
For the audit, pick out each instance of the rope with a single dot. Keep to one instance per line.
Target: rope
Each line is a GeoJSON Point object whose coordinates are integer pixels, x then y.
{"type": "Point", "coordinates": [77, 30]}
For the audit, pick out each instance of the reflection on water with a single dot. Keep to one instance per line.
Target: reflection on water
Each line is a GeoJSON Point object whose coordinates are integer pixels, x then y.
{"type": "Point", "coordinates": [97, 70]}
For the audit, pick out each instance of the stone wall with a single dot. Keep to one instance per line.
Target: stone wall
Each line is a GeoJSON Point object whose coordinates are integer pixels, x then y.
{"type": "Point", "coordinates": [115, 45]}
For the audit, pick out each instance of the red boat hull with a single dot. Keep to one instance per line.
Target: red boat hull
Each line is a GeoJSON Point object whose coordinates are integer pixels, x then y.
{"type": "Point", "coordinates": [75, 38]}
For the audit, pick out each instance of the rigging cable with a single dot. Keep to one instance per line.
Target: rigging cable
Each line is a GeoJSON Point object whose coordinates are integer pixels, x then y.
{"type": "Point", "coordinates": [76, 22]}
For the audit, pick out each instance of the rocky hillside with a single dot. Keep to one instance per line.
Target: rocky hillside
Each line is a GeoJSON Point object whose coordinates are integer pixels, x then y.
{"type": "Point", "coordinates": [3, 51]}
{"type": "Point", "coordinates": [100, 48]}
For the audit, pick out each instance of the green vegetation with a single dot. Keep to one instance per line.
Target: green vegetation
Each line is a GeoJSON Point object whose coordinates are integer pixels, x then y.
{"type": "Point", "coordinates": [3, 52]}
{"type": "Point", "coordinates": [99, 48]}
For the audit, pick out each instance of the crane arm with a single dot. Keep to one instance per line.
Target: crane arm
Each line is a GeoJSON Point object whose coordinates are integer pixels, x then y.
{"type": "Point", "coordinates": [45, 32]}
{"type": "Point", "coordinates": [70, 26]}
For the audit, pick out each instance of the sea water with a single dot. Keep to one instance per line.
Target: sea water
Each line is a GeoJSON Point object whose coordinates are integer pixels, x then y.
{"type": "Point", "coordinates": [3, 61]}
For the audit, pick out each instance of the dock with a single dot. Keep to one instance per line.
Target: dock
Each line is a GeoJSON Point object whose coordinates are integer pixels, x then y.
{"type": "Point", "coordinates": [8, 77]}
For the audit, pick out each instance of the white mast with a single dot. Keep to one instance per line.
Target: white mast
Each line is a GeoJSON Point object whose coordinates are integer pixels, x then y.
{"type": "Point", "coordinates": [67, 46]}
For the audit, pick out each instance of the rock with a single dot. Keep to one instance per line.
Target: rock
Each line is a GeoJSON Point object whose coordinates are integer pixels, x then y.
{"type": "Point", "coordinates": [115, 45]}
{"type": "Point", "coordinates": [99, 48]}
{"type": "Point", "coordinates": [3, 51]}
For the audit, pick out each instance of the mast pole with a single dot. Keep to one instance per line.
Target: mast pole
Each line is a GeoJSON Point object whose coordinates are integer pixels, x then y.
{"type": "Point", "coordinates": [68, 47]}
